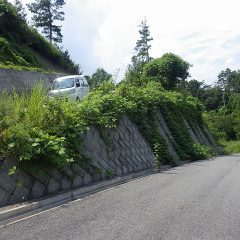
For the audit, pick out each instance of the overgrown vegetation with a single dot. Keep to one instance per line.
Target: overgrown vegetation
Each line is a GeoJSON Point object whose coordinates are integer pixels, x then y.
{"type": "Point", "coordinates": [36, 129]}
{"type": "Point", "coordinates": [19, 42]}
{"type": "Point", "coordinates": [231, 146]}
{"type": "Point", "coordinates": [221, 103]}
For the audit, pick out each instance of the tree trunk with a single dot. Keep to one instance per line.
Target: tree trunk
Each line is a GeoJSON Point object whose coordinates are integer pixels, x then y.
{"type": "Point", "coordinates": [50, 35]}
{"type": "Point", "coordinates": [224, 101]}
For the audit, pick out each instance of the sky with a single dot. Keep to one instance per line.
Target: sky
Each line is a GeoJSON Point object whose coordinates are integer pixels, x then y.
{"type": "Point", "coordinates": [103, 33]}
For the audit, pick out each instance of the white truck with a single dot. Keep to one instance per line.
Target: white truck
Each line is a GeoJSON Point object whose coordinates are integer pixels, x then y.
{"type": "Point", "coordinates": [72, 87]}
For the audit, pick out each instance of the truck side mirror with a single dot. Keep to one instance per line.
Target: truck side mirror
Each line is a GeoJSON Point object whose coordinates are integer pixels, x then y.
{"type": "Point", "coordinates": [77, 84]}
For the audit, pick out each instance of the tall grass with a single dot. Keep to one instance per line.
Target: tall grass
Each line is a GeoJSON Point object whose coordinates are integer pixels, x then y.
{"type": "Point", "coordinates": [32, 127]}
{"type": "Point", "coordinates": [231, 147]}
{"type": "Point", "coordinates": [25, 108]}
{"type": "Point", "coordinates": [35, 106]}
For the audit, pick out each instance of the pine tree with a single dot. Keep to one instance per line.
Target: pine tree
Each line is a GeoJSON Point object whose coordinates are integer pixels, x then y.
{"type": "Point", "coordinates": [45, 14]}
{"type": "Point", "coordinates": [142, 45]}
{"type": "Point", "coordinates": [223, 83]}
{"type": "Point", "coordinates": [141, 56]}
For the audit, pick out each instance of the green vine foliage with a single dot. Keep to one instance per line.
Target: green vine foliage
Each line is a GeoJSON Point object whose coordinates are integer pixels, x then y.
{"type": "Point", "coordinates": [50, 132]}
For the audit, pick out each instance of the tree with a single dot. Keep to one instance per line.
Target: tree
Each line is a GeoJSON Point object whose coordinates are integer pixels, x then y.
{"type": "Point", "coordinates": [223, 79]}
{"type": "Point", "coordinates": [194, 87]}
{"type": "Point", "coordinates": [12, 26]}
{"type": "Point", "coordinates": [69, 65]}
{"type": "Point", "coordinates": [229, 82]}
{"type": "Point", "coordinates": [169, 70]}
{"type": "Point", "coordinates": [142, 45]}
{"type": "Point", "coordinates": [234, 81]}
{"type": "Point", "coordinates": [141, 56]}
{"type": "Point", "coordinates": [21, 11]}
{"type": "Point", "coordinates": [99, 77]}
{"type": "Point", "coordinates": [211, 97]}
{"type": "Point", "coordinates": [45, 14]}
{"type": "Point", "coordinates": [223, 82]}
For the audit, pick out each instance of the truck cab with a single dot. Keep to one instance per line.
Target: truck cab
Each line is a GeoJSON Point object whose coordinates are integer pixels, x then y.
{"type": "Point", "coordinates": [72, 87]}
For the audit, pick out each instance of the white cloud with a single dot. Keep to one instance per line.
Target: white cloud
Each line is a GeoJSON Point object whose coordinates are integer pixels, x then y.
{"type": "Point", "coordinates": [103, 33]}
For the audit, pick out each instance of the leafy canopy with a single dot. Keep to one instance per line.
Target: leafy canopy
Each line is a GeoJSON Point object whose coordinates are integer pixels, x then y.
{"type": "Point", "coordinates": [169, 70]}
{"type": "Point", "coordinates": [98, 78]}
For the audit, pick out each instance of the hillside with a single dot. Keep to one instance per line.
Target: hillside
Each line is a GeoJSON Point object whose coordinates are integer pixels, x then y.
{"type": "Point", "coordinates": [22, 47]}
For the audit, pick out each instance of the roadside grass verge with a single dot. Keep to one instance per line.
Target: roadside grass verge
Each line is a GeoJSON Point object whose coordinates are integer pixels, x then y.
{"type": "Point", "coordinates": [231, 146]}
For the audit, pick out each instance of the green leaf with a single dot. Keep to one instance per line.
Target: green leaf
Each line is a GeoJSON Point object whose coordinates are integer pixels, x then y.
{"type": "Point", "coordinates": [11, 145]}
{"type": "Point", "coordinates": [35, 144]}
{"type": "Point", "coordinates": [12, 170]}
{"type": "Point", "coordinates": [61, 151]}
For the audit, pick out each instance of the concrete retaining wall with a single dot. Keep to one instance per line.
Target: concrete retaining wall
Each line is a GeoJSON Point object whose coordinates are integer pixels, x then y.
{"type": "Point", "coordinates": [24, 80]}
{"type": "Point", "coordinates": [126, 151]}
{"type": "Point", "coordinates": [113, 153]}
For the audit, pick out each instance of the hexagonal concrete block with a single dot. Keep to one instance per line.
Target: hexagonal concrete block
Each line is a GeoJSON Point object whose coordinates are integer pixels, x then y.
{"type": "Point", "coordinates": [119, 171]}
{"type": "Point", "coordinates": [66, 183]}
{"type": "Point", "coordinates": [130, 168]}
{"type": "Point", "coordinates": [117, 154]}
{"type": "Point", "coordinates": [24, 178]}
{"type": "Point", "coordinates": [56, 174]}
{"type": "Point", "coordinates": [111, 155]}
{"type": "Point", "coordinates": [112, 165]}
{"type": "Point", "coordinates": [145, 165]}
{"type": "Point", "coordinates": [87, 178]}
{"type": "Point", "coordinates": [104, 155]}
{"type": "Point", "coordinates": [104, 165]}
{"type": "Point", "coordinates": [116, 137]}
{"type": "Point", "coordinates": [8, 163]}
{"type": "Point", "coordinates": [37, 190]}
{"type": "Point", "coordinates": [125, 170]}
{"type": "Point", "coordinates": [96, 177]}
{"type": "Point", "coordinates": [53, 186]}
{"type": "Point", "coordinates": [77, 181]}
{"type": "Point", "coordinates": [4, 197]}
{"type": "Point", "coordinates": [77, 169]}
{"type": "Point", "coordinates": [44, 178]}
{"type": "Point", "coordinates": [20, 194]}
{"type": "Point", "coordinates": [7, 182]}
{"type": "Point", "coordinates": [68, 172]}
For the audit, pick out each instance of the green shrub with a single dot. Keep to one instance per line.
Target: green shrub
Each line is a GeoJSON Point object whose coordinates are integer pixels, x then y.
{"type": "Point", "coordinates": [202, 152]}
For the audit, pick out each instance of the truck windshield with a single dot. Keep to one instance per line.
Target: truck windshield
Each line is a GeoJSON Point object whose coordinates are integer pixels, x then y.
{"type": "Point", "coordinates": [63, 83]}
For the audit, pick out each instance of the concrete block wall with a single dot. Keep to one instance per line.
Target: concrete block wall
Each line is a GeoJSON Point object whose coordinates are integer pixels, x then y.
{"type": "Point", "coordinates": [113, 153]}
{"type": "Point", "coordinates": [127, 151]}
{"type": "Point", "coordinates": [167, 135]}
{"type": "Point", "coordinates": [124, 151]}
{"type": "Point", "coordinates": [201, 135]}
{"type": "Point", "coordinates": [24, 80]}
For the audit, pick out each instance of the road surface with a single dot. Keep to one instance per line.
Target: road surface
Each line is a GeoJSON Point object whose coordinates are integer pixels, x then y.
{"type": "Point", "coordinates": [200, 200]}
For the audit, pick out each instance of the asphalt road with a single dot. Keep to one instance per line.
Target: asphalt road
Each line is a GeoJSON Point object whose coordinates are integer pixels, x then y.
{"type": "Point", "coordinates": [200, 200]}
